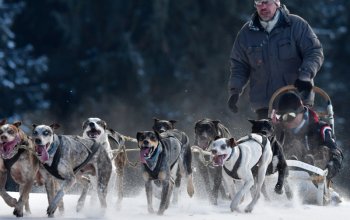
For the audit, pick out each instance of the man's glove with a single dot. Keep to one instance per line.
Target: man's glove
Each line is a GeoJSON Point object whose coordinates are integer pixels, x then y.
{"type": "Point", "coordinates": [303, 86]}
{"type": "Point", "coordinates": [232, 103]}
{"type": "Point", "coordinates": [333, 169]}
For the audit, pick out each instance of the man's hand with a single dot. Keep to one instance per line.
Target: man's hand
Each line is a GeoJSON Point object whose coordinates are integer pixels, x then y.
{"type": "Point", "coordinates": [303, 86]}
{"type": "Point", "coordinates": [232, 103]}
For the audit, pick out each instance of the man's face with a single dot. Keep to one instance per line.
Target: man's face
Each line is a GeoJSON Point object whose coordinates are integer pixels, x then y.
{"type": "Point", "coordinates": [266, 9]}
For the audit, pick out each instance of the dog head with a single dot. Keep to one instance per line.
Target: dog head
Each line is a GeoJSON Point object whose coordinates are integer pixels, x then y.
{"type": "Point", "coordinates": [10, 136]}
{"type": "Point", "coordinates": [161, 126]}
{"type": "Point", "coordinates": [222, 149]}
{"type": "Point", "coordinates": [206, 130]}
{"type": "Point", "coordinates": [43, 137]}
{"type": "Point", "coordinates": [94, 128]}
{"type": "Point", "coordinates": [147, 142]}
{"type": "Point", "coordinates": [262, 126]}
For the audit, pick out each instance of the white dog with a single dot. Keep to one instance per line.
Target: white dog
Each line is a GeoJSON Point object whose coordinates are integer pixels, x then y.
{"type": "Point", "coordinates": [246, 160]}
{"type": "Point", "coordinates": [96, 129]}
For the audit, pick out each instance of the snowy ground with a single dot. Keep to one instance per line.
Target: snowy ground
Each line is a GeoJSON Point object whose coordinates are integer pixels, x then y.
{"type": "Point", "coordinates": [195, 209]}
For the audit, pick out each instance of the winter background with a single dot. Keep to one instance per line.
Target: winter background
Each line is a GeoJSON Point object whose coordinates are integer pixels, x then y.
{"type": "Point", "coordinates": [129, 61]}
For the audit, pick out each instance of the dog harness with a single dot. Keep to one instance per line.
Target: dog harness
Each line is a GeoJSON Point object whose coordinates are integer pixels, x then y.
{"type": "Point", "coordinates": [56, 159]}
{"type": "Point", "coordinates": [233, 173]}
{"type": "Point", "coordinates": [9, 162]}
{"type": "Point", "coordinates": [154, 173]}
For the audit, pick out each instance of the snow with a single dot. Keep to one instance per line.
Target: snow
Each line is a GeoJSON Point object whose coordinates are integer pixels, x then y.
{"type": "Point", "coordinates": [187, 208]}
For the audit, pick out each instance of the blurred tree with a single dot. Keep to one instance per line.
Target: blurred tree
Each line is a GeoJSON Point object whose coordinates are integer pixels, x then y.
{"type": "Point", "coordinates": [20, 72]}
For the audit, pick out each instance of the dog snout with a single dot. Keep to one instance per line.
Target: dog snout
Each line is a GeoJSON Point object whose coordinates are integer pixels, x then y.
{"type": "Point", "coordinates": [214, 151]}
{"type": "Point", "coordinates": [145, 142]}
{"type": "Point", "coordinates": [37, 141]}
{"type": "Point", "coordinates": [92, 125]}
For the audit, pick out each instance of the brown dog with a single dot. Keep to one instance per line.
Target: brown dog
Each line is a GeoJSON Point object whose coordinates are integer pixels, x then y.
{"type": "Point", "coordinates": [17, 159]}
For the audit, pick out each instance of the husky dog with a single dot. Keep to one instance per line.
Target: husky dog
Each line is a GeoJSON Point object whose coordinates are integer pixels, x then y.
{"type": "Point", "coordinates": [162, 155]}
{"type": "Point", "coordinates": [18, 161]}
{"type": "Point", "coordinates": [69, 157]}
{"type": "Point", "coordinates": [246, 160]}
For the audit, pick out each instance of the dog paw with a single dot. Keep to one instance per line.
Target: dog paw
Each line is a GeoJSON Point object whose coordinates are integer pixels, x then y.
{"type": "Point", "coordinates": [50, 210]}
{"type": "Point", "coordinates": [248, 209]}
{"type": "Point", "coordinates": [160, 212]}
{"type": "Point", "coordinates": [150, 210]}
{"type": "Point", "coordinates": [18, 212]}
{"type": "Point", "coordinates": [278, 189]}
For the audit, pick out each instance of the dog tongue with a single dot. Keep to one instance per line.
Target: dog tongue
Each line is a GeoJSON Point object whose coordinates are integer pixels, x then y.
{"type": "Point", "coordinates": [219, 160]}
{"type": "Point", "coordinates": [7, 147]}
{"type": "Point", "coordinates": [144, 151]}
{"type": "Point", "coordinates": [41, 150]}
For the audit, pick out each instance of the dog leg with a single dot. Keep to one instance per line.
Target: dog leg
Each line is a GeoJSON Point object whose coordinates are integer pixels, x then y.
{"type": "Point", "coordinates": [23, 199]}
{"type": "Point", "coordinates": [149, 195]}
{"type": "Point", "coordinates": [86, 183]}
{"type": "Point", "coordinates": [259, 183]}
{"type": "Point", "coordinates": [177, 186]}
{"type": "Point", "coordinates": [166, 191]}
{"type": "Point", "coordinates": [190, 186]}
{"type": "Point", "coordinates": [217, 184]}
{"type": "Point", "coordinates": [248, 183]}
{"type": "Point", "coordinates": [120, 163]}
{"type": "Point", "coordinates": [288, 190]}
{"type": "Point", "coordinates": [104, 167]}
{"type": "Point", "coordinates": [9, 200]}
{"type": "Point", "coordinates": [264, 192]}
{"type": "Point", "coordinates": [66, 185]}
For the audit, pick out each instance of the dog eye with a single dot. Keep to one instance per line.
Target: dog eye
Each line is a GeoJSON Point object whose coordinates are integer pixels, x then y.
{"type": "Point", "coordinates": [223, 147]}
{"type": "Point", "coordinates": [142, 137]}
{"type": "Point", "coordinates": [47, 133]}
{"type": "Point", "coordinates": [153, 138]}
{"type": "Point", "coordinates": [35, 133]}
{"type": "Point", "coordinates": [11, 132]}
{"type": "Point", "coordinates": [1, 132]}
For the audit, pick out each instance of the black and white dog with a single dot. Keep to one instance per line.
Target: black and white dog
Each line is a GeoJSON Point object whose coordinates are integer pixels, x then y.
{"type": "Point", "coordinates": [278, 164]}
{"type": "Point", "coordinates": [162, 156]}
{"type": "Point", "coordinates": [68, 158]}
{"type": "Point", "coordinates": [97, 129]}
{"type": "Point", "coordinates": [247, 160]}
{"type": "Point", "coordinates": [206, 130]}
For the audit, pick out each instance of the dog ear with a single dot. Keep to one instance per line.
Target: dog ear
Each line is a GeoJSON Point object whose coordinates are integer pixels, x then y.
{"type": "Point", "coordinates": [104, 124]}
{"type": "Point", "coordinates": [217, 137]}
{"type": "Point", "coordinates": [252, 121]}
{"type": "Point", "coordinates": [34, 125]}
{"type": "Point", "coordinates": [216, 123]}
{"type": "Point", "coordinates": [138, 134]}
{"type": "Point", "coordinates": [17, 123]}
{"type": "Point", "coordinates": [173, 123]}
{"type": "Point", "coordinates": [231, 142]}
{"type": "Point", "coordinates": [156, 119]}
{"type": "Point", "coordinates": [55, 126]}
{"type": "Point", "coordinates": [3, 121]}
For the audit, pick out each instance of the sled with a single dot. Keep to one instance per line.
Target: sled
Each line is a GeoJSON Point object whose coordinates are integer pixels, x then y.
{"type": "Point", "coordinates": [310, 181]}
